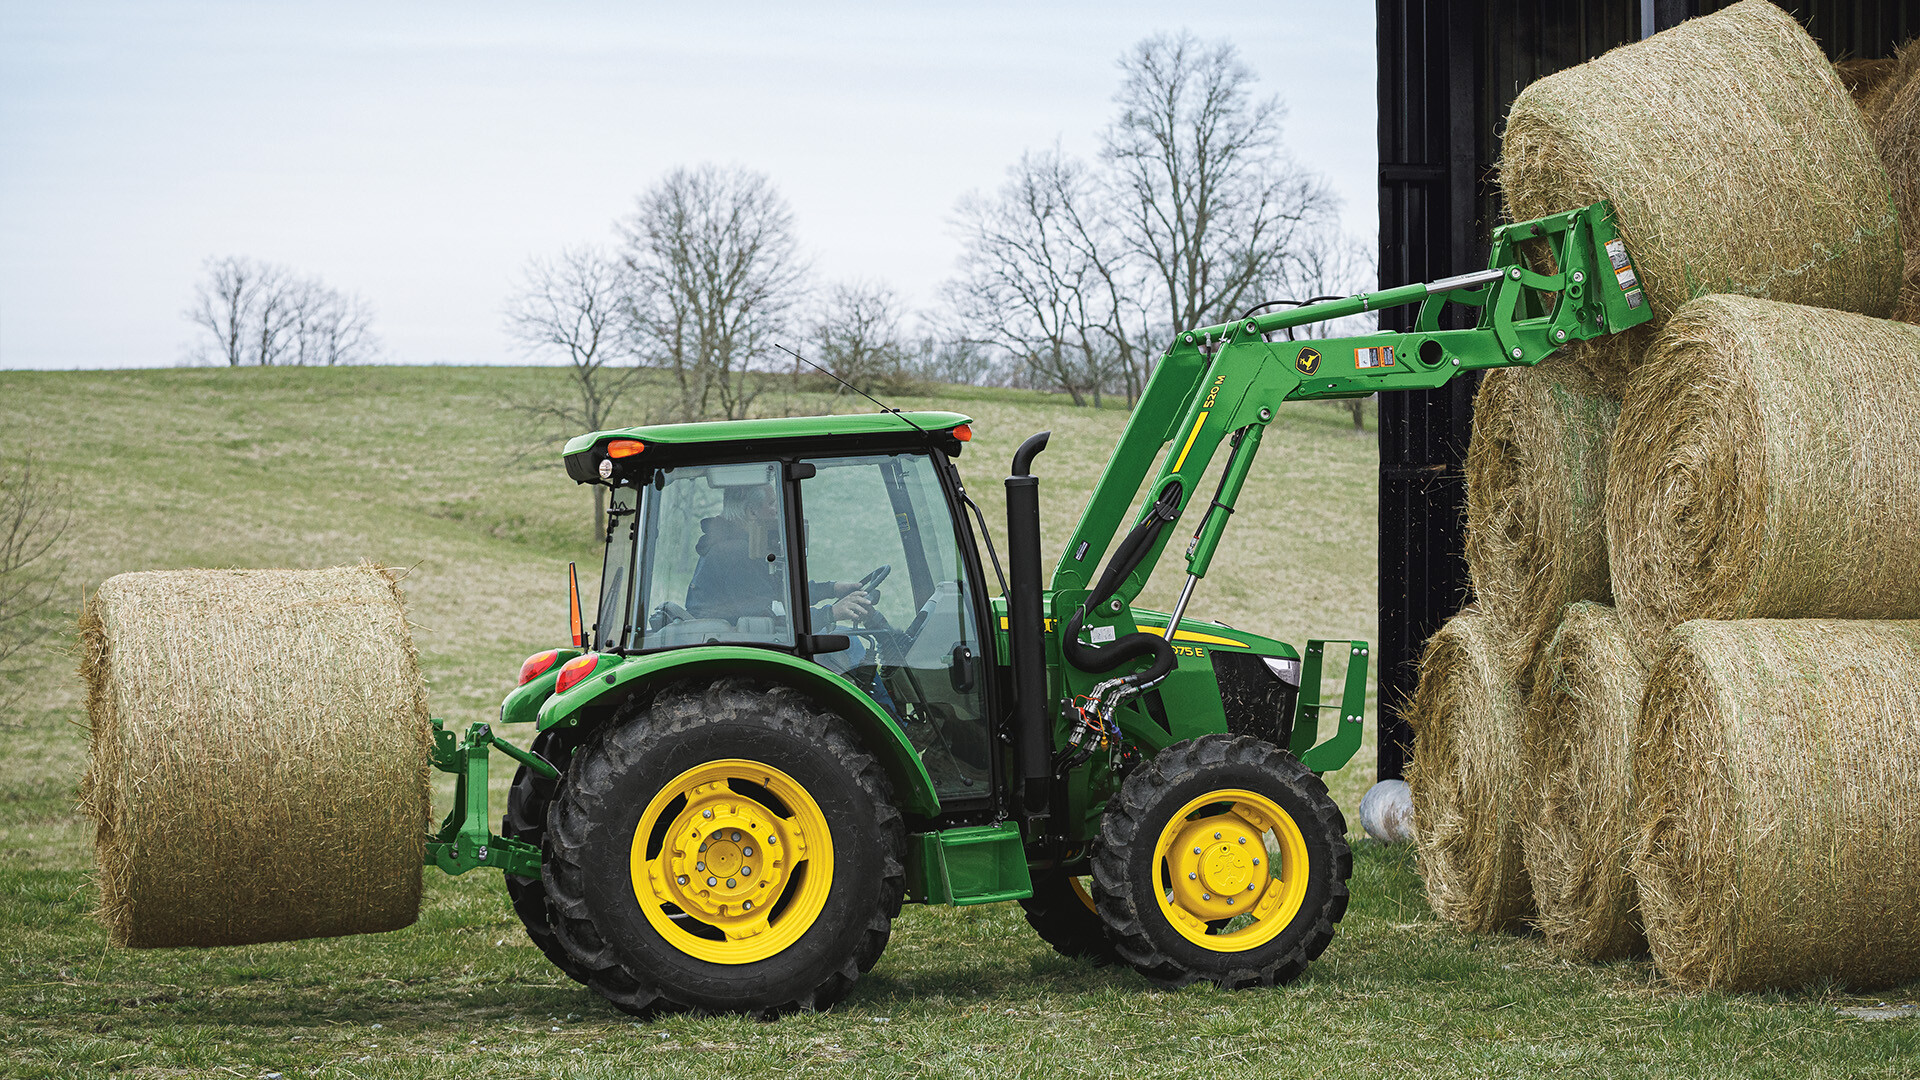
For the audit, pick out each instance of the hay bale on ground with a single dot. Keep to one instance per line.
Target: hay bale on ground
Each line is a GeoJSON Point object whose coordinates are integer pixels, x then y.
{"type": "Point", "coordinates": [1466, 791]}
{"type": "Point", "coordinates": [1733, 156]}
{"type": "Point", "coordinates": [1536, 496]}
{"type": "Point", "coordinates": [259, 758]}
{"type": "Point", "coordinates": [1767, 465]}
{"type": "Point", "coordinates": [1780, 805]}
{"type": "Point", "coordinates": [1578, 741]}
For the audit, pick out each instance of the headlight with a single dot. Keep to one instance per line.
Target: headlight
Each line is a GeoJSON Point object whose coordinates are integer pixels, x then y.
{"type": "Point", "coordinates": [1287, 671]}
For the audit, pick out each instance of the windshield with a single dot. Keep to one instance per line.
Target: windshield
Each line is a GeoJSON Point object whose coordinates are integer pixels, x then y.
{"type": "Point", "coordinates": [713, 564]}
{"type": "Point", "coordinates": [609, 630]}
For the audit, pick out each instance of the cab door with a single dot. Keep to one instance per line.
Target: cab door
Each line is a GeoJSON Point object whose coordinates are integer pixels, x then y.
{"type": "Point", "coordinates": [885, 567]}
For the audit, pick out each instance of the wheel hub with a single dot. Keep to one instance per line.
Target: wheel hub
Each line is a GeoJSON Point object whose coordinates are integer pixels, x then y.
{"type": "Point", "coordinates": [1216, 867]}
{"type": "Point", "coordinates": [727, 859]}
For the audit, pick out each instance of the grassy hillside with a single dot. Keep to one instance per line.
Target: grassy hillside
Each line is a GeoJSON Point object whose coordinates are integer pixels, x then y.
{"type": "Point", "coordinates": [420, 467]}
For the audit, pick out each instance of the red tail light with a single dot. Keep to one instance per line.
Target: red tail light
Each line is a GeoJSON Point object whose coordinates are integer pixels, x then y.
{"type": "Point", "coordinates": [536, 664]}
{"type": "Point", "coordinates": [574, 670]}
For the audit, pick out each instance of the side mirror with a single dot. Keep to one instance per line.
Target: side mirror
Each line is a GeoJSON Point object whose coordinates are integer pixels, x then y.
{"type": "Point", "coordinates": [960, 669]}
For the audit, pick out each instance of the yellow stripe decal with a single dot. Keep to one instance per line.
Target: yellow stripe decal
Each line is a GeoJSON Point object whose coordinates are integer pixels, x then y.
{"type": "Point", "coordinates": [1191, 435]}
{"type": "Point", "coordinates": [1191, 635]}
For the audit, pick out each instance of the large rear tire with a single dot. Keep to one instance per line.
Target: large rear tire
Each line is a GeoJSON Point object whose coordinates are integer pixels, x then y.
{"type": "Point", "coordinates": [526, 819]}
{"type": "Point", "coordinates": [728, 847]}
{"type": "Point", "coordinates": [1223, 859]}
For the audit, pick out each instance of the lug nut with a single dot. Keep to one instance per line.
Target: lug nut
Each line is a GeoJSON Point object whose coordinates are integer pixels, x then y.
{"type": "Point", "coordinates": [1256, 862]}
{"type": "Point", "coordinates": [745, 870]}
{"type": "Point", "coordinates": [703, 847]}
{"type": "Point", "coordinates": [730, 883]}
{"type": "Point", "coordinates": [699, 866]}
{"type": "Point", "coordinates": [735, 837]}
{"type": "Point", "coordinates": [1193, 877]}
{"type": "Point", "coordinates": [1216, 834]}
{"type": "Point", "coordinates": [772, 840]}
{"type": "Point", "coordinates": [1243, 839]}
{"type": "Point", "coordinates": [747, 851]}
{"type": "Point", "coordinates": [711, 882]}
{"type": "Point", "coordinates": [1206, 896]}
{"type": "Point", "coordinates": [1249, 889]}
{"type": "Point", "coordinates": [1229, 901]}
{"type": "Point", "coordinates": [1196, 851]}
{"type": "Point", "coordinates": [748, 906]}
{"type": "Point", "coordinates": [706, 813]}
{"type": "Point", "coordinates": [682, 879]}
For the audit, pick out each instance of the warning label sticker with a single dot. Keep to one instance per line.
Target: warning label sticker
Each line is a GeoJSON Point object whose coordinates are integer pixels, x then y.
{"type": "Point", "coordinates": [1377, 356]}
{"type": "Point", "coordinates": [1617, 252]}
{"type": "Point", "coordinates": [1627, 280]}
{"type": "Point", "coordinates": [1634, 299]}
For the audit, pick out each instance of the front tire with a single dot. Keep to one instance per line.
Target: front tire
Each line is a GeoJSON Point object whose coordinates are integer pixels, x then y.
{"type": "Point", "coordinates": [1186, 881]}
{"type": "Point", "coordinates": [726, 848]}
{"type": "Point", "coordinates": [1062, 912]}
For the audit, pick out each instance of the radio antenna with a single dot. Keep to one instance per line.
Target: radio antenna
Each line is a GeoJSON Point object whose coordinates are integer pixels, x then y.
{"type": "Point", "coordinates": [884, 407]}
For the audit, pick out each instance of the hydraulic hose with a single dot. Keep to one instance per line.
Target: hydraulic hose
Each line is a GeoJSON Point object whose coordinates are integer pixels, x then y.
{"type": "Point", "coordinates": [1126, 558]}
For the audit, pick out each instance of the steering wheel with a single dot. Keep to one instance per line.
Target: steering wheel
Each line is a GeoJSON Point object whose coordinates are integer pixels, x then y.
{"type": "Point", "coordinates": [872, 581]}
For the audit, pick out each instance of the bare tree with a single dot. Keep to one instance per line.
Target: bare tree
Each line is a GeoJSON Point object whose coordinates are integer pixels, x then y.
{"type": "Point", "coordinates": [578, 305]}
{"type": "Point", "coordinates": [1203, 193]}
{"type": "Point", "coordinates": [331, 328]}
{"type": "Point", "coordinates": [716, 272]}
{"type": "Point", "coordinates": [255, 312]}
{"type": "Point", "coordinates": [1028, 282]}
{"type": "Point", "coordinates": [856, 336]}
{"type": "Point", "coordinates": [33, 517]}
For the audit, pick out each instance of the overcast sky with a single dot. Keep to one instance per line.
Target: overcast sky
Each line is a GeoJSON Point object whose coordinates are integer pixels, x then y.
{"type": "Point", "coordinates": [418, 153]}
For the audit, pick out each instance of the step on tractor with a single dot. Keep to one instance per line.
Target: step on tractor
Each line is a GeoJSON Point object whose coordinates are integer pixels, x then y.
{"type": "Point", "coordinates": [798, 705]}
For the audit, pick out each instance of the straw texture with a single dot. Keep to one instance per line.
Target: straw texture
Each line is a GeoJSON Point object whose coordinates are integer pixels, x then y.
{"type": "Point", "coordinates": [1892, 109]}
{"type": "Point", "coordinates": [1767, 465]}
{"type": "Point", "coordinates": [1467, 792]}
{"type": "Point", "coordinates": [1780, 805]}
{"type": "Point", "coordinates": [259, 755]}
{"type": "Point", "coordinates": [1536, 496]}
{"type": "Point", "coordinates": [1733, 156]}
{"type": "Point", "coordinates": [1578, 741]}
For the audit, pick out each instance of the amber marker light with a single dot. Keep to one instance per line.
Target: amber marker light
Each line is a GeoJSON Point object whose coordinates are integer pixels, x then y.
{"type": "Point", "coordinates": [624, 448]}
{"type": "Point", "coordinates": [964, 433]}
{"type": "Point", "coordinates": [574, 670]}
{"type": "Point", "coordinates": [537, 664]}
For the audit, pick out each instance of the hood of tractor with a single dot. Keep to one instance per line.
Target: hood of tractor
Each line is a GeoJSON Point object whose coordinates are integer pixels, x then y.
{"type": "Point", "coordinates": [585, 453]}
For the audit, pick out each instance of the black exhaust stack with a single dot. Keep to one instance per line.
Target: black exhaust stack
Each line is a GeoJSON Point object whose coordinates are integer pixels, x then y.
{"type": "Point", "coordinates": [1026, 634]}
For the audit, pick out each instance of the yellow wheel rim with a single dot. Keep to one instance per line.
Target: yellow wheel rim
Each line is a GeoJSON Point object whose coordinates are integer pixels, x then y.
{"type": "Point", "coordinates": [1232, 870]}
{"type": "Point", "coordinates": [732, 861]}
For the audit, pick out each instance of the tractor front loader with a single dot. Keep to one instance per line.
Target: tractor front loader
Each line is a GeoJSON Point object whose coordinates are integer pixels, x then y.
{"type": "Point", "coordinates": [798, 705]}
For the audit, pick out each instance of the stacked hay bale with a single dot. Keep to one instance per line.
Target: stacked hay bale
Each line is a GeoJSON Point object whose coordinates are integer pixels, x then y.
{"type": "Point", "coordinates": [259, 755]}
{"type": "Point", "coordinates": [1888, 92]}
{"type": "Point", "coordinates": [1781, 814]}
{"type": "Point", "coordinates": [1739, 165]}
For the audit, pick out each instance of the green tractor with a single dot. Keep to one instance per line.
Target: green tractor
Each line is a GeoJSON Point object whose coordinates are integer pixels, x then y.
{"type": "Point", "coordinates": [801, 702]}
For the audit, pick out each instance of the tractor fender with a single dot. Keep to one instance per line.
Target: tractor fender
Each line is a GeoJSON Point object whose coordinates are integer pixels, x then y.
{"type": "Point", "coordinates": [611, 684]}
{"type": "Point", "coordinates": [522, 703]}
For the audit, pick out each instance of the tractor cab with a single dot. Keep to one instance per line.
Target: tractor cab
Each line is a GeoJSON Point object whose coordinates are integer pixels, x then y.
{"type": "Point", "coordinates": [838, 540]}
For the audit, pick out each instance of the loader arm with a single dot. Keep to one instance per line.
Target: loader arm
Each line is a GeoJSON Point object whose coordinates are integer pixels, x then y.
{"type": "Point", "coordinates": [1549, 282]}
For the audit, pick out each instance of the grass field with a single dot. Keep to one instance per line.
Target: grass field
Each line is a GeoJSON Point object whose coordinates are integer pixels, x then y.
{"type": "Point", "coordinates": [416, 467]}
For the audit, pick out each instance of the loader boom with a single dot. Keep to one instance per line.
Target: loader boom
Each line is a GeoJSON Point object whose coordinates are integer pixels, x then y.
{"type": "Point", "coordinates": [1549, 283]}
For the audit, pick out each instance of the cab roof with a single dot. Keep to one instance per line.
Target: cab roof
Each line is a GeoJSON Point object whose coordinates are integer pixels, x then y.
{"type": "Point", "coordinates": [774, 427]}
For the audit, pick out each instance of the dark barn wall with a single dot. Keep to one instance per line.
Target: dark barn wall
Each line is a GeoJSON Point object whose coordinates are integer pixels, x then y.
{"type": "Point", "coordinates": [1448, 70]}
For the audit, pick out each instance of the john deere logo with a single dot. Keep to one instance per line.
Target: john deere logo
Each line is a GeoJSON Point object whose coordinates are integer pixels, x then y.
{"type": "Point", "coordinates": [1308, 361]}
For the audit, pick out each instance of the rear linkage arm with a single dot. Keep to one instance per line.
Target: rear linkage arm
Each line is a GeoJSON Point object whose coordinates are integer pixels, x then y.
{"type": "Point", "coordinates": [464, 841]}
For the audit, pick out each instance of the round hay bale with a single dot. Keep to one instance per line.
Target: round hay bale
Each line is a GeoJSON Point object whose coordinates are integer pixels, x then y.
{"type": "Point", "coordinates": [1862, 76]}
{"type": "Point", "coordinates": [1780, 806]}
{"type": "Point", "coordinates": [1892, 110]}
{"type": "Point", "coordinates": [1734, 158]}
{"type": "Point", "coordinates": [1767, 465]}
{"type": "Point", "coordinates": [1578, 740]}
{"type": "Point", "coordinates": [1536, 496]}
{"type": "Point", "coordinates": [1466, 756]}
{"type": "Point", "coordinates": [259, 755]}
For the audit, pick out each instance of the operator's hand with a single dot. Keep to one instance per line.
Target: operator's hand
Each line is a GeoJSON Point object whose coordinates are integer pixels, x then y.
{"type": "Point", "coordinates": [852, 607]}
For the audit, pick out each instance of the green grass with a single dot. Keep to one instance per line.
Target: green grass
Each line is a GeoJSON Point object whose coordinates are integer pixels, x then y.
{"type": "Point", "coordinates": [416, 467]}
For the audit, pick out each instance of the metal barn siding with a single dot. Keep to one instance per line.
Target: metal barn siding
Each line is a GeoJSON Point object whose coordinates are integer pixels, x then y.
{"type": "Point", "coordinates": [1448, 70]}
